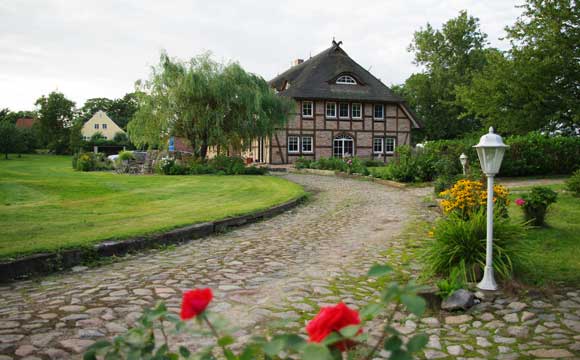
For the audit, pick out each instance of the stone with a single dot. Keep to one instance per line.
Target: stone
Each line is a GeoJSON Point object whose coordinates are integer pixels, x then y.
{"type": "Point", "coordinates": [487, 317]}
{"type": "Point", "coordinates": [460, 300]}
{"type": "Point", "coordinates": [434, 342]}
{"type": "Point", "coordinates": [518, 331]}
{"type": "Point", "coordinates": [483, 342]}
{"type": "Point", "coordinates": [57, 354]}
{"type": "Point", "coordinates": [72, 308]}
{"type": "Point", "coordinates": [503, 340]}
{"type": "Point", "coordinates": [76, 345]}
{"type": "Point", "coordinates": [540, 329]}
{"type": "Point", "coordinates": [115, 328]}
{"type": "Point", "coordinates": [517, 306]}
{"type": "Point", "coordinates": [434, 354]}
{"type": "Point", "coordinates": [458, 319]}
{"type": "Point", "coordinates": [572, 324]}
{"type": "Point", "coordinates": [10, 338]}
{"type": "Point", "coordinates": [455, 350]}
{"type": "Point", "coordinates": [9, 324]}
{"type": "Point", "coordinates": [142, 292]}
{"type": "Point", "coordinates": [89, 333]}
{"type": "Point", "coordinates": [511, 318]}
{"type": "Point", "coordinates": [431, 321]}
{"type": "Point", "coordinates": [42, 340]}
{"type": "Point", "coordinates": [25, 350]}
{"type": "Point", "coordinates": [551, 353]}
{"type": "Point", "coordinates": [79, 268]}
{"type": "Point", "coordinates": [526, 315]}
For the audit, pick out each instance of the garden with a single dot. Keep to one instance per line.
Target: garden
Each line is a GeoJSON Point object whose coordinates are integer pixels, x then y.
{"type": "Point", "coordinates": [47, 206]}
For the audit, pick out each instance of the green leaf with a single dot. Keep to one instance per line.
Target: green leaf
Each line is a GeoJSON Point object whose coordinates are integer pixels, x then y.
{"type": "Point", "coordinates": [183, 351]}
{"type": "Point", "coordinates": [293, 342]}
{"type": "Point", "coordinates": [414, 304]}
{"type": "Point", "coordinates": [417, 342]}
{"type": "Point", "coordinates": [273, 348]}
{"type": "Point", "coordinates": [314, 351]}
{"type": "Point", "coordinates": [250, 352]}
{"type": "Point", "coordinates": [225, 340]}
{"type": "Point", "coordinates": [229, 354]}
{"type": "Point", "coordinates": [400, 355]}
{"type": "Point", "coordinates": [349, 331]}
{"type": "Point", "coordinates": [370, 311]}
{"type": "Point", "coordinates": [393, 343]}
{"type": "Point", "coordinates": [90, 355]}
{"type": "Point", "coordinates": [332, 338]}
{"type": "Point", "coordinates": [379, 270]}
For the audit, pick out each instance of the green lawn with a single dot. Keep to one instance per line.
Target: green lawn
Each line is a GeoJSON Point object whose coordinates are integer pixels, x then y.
{"type": "Point", "coordinates": [45, 205]}
{"type": "Point", "coordinates": [554, 251]}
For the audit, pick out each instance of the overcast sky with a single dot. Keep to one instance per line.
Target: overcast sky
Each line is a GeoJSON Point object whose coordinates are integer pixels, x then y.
{"type": "Point", "coordinates": [100, 48]}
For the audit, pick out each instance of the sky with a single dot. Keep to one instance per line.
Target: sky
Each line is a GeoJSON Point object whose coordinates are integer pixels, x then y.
{"type": "Point", "coordinates": [88, 49]}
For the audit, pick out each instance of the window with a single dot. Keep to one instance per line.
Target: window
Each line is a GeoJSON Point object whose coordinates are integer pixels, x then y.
{"type": "Point", "coordinates": [293, 142]}
{"type": "Point", "coordinates": [343, 110]}
{"type": "Point", "coordinates": [346, 79]}
{"type": "Point", "coordinates": [104, 126]}
{"type": "Point", "coordinates": [379, 112]}
{"type": "Point", "coordinates": [307, 144]}
{"type": "Point", "coordinates": [96, 126]}
{"type": "Point", "coordinates": [307, 109]}
{"type": "Point", "coordinates": [378, 145]}
{"type": "Point", "coordinates": [390, 145]}
{"type": "Point", "coordinates": [331, 110]}
{"type": "Point", "coordinates": [356, 111]}
{"type": "Point", "coordinates": [343, 146]}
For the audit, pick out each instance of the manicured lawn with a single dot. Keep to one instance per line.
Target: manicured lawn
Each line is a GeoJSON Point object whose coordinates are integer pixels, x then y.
{"type": "Point", "coordinates": [45, 205]}
{"type": "Point", "coordinates": [554, 251]}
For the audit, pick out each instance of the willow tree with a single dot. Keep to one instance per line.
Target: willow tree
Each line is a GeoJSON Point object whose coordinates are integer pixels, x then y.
{"type": "Point", "coordinates": [206, 102]}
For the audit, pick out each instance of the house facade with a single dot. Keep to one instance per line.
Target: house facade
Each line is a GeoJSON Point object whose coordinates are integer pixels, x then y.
{"type": "Point", "coordinates": [342, 110]}
{"type": "Point", "coordinates": [100, 123]}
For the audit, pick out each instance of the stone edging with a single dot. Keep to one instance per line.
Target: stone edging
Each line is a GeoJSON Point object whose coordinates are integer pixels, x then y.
{"type": "Point", "coordinates": [391, 183]}
{"type": "Point", "coordinates": [46, 263]}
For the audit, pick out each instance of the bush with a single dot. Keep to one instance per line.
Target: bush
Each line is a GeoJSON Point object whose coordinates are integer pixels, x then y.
{"type": "Point", "coordinates": [445, 182]}
{"type": "Point", "coordinates": [91, 162]}
{"type": "Point", "coordinates": [332, 163]}
{"type": "Point", "coordinates": [303, 163]}
{"type": "Point", "coordinates": [457, 240]}
{"type": "Point", "coordinates": [229, 165]}
{"type": "Point", "coordinates": [126, 155]}
{"type": "Point", "coordinates": [373, 163]}
{"type": "Point", "coordinates": [408, 166]}
{"type": "Point", "coordinates": [467, 197]}
{"type": "Point", "coordinates": [254, 170]}
{"type": "Point", "coordinates": [573, 183]}
{"type": "Point", "coordinates": [536, 203]}
{"type": "Point", "coordinates": [168, 166]}
{"type": "Point", "coordinates": [201, 169]}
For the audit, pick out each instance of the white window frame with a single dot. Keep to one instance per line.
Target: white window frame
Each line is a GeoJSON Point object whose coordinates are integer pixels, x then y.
{"type": "Point", "coordinates": [311, 115]}
{"type": "Point", "coordinates": [359, 110]}
{"type": "Point", "coordinates": [311, 150]}
{"type": "Point", "coordinates": [382, 142]}
{"type": "Point", "coordinates": [326, 110]}
{"type": "Point", "coordinates": [297, 138]}
{"type": "Point", "coordinates": [394, 145]}
{"type": "Point", "coordinates": [347, 111]}
{"type": "Point", "coordinates": [375, 112]}
{"type": "Point", "coordinates": [96, 126]}
{"type": "Point", "coordinates": [346, 80]}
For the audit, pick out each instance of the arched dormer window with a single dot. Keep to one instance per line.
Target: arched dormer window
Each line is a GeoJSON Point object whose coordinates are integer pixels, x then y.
{"type": "Point", "coordinates": [346, 80]}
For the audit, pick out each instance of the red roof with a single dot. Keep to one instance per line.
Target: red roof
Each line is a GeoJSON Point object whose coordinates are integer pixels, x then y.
{"type": "Point", "coordinates": [25, 123]}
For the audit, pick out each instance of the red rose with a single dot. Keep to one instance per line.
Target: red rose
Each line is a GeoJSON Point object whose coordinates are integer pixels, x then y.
{"type": "Point", "coordinates": [331, 319]}
{"type": "Point", "coordinates": [194, 302]}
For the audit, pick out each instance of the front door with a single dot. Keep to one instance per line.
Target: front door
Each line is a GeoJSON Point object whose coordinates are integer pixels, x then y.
{"type": "Point", "coordinates": [343, 146]}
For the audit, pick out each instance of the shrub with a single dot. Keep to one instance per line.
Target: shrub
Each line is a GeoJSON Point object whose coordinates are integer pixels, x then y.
{"type": "Point", "coordinates": [254, 170]}
{"type": "Point", "coordinates": [445, 182]}
{"type": "Point", "coordinates": [126, 155]}
{"type": "Point", "coordinates": [330, 164]}
{"type": "Point", "coordinates": [536, 203]}
{"type": "Point", "coordinates": [372, 163]}
{"type": "Point", "coordinates": [408, 166]}
{"type": "Point", "coordinates": [201, 169]}
{"type": "Point", "coordinates": [303, 163]}
{"type": "Point", "coordinates": [573, 183]}
{"type": "Point", "coordinates": [457, 239]}
{"type": "Point", "coordinates": [229, 165]}
{"type": "Point", "coordinates": [467, 197]}
{"type": "Point", "coordinates": [91, 162]}
{"type": "Point", "coordinates": [168, 166]}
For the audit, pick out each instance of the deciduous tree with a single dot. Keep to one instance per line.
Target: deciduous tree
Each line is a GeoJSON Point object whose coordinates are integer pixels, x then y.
{"type": "Point", "coordinates": [55, 115]}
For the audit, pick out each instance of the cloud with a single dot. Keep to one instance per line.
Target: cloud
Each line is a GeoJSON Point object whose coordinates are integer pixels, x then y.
{"type": "Point", "coordinates": [100, 48]}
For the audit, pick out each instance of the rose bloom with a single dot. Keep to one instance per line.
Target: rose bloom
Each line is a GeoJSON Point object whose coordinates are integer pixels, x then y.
{"type": "Point", "coordinates": [195, 302]}
{"type": "Point", "coordinates": [520, 202]}
{"type": "Point", "coordinates": [330, 319]}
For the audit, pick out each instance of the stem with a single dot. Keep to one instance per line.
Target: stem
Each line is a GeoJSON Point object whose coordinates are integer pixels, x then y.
{"type": "Point", "coordinates": [383, 335]}
{"type": "Point", "coordinates": [214, 332]}
{"type": "Point", "coordinates": [164, 333]}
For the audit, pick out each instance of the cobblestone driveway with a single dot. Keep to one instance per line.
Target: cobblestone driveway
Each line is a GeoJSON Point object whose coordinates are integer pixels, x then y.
{"type": "Point", "coordinates": [253, 270]}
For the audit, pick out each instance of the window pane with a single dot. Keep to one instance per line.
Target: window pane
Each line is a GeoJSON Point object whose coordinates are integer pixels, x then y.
{"type": "Point", "coordinates": [343, 110]}
{"type": "Point", "coordinates": [293, 144]}
{"type": "Point", "coordinates": [378, 145]}
{"type": "Point", "coordinates": [356, 110]}
{"type": "Point", "coordinates": [378, 111]}
{"type": "Point", "coordinates": [331, 110]}
{"type": "Point", "coordinates": [307, 108]}
{"type": "Point", "coordinates": [307, 144]}
{"type": "Point", "coordinates": [390, 145]}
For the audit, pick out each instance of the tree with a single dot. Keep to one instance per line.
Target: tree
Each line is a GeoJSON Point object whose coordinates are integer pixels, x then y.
{"type": "Point", "coordinates": [206, 102]}
{"type": "Point", "coordinates": [119, 110]}
{"type": "Point", "coordinates": [536, 84]}
{"type": "Point", "coordinates": [55, 113]}
{"type": "Point", "coordinates": [8, 137]}
{"type": "Point", "coordinates": [450, 58]}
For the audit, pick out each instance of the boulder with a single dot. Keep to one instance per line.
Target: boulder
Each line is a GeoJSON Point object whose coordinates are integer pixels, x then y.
{"type": "Point", "coordinates": [460, 300]}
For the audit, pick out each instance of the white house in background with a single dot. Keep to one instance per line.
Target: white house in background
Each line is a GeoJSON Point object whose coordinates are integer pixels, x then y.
{"type": "Point", "coordinates": [100, 123]}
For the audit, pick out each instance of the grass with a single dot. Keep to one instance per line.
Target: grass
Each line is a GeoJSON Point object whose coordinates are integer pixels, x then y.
{"type": "Point", "coordinates": [46, 206]}
{"type": "Point", "coordinates": [554, 250]}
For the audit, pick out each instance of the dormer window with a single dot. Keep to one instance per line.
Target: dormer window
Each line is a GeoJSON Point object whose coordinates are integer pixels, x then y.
{"type": "Point", "coordinates": [346, 80]}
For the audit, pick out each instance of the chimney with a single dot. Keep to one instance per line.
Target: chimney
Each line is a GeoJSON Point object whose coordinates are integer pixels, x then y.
{"type": "Point", "coordinates": [297, 62]}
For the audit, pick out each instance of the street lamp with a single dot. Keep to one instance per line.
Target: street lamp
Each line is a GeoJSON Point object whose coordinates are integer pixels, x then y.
{"type": "Point", "coordinates": [490, 151]}
{"type": "Point", "coordinates": [463, 161]}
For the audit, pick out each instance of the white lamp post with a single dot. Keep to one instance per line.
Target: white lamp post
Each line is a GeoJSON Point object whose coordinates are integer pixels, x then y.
{"type": "Point", "coordinates": [490, 151]}
{"type": "Point", "coordinates": [463, 161]}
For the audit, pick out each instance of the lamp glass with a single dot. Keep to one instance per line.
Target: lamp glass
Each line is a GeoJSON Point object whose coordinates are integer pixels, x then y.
{"type": "Point", "coordinates": [490, 159]}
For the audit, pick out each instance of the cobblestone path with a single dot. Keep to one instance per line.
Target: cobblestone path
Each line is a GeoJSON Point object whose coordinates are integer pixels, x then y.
{"type": "Point", "coordinates": [277, 273]}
